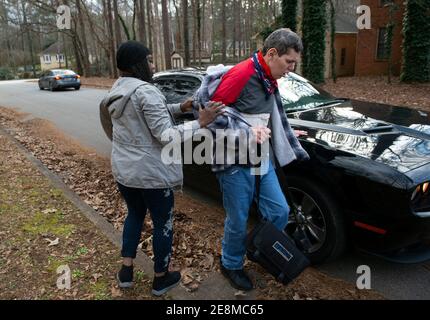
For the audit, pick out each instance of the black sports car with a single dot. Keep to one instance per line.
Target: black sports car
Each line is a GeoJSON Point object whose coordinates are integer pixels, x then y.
{"type": "Point", "coordinates": [367, 182]}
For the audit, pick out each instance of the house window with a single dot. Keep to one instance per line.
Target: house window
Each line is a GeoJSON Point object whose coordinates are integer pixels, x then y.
{"type": "Point", "coordinates": [60, 57]}
{"type": "Point", "coordinates": [47, 58]}
{"type": "Point", "coordinates": [342, 56]}
{"type": "Point", "coordinates": [381, 50]}
{"type": "Point", "coordinates": [177, 63]}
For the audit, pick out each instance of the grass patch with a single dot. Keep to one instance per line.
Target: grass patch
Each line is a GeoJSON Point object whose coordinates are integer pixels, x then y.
{"type": "Point", "coordinates": [140, 275]}
{"type": "Point", "coordinates": [48, 223]}
{"type": "Point", "coordinates": [77, 274]}
{"type": "Point", "coordinates": [81, 251]}
{"type": "Point", "coordinates": [100, 290]}
{"type": "Point", "coordinates": [56, 193]}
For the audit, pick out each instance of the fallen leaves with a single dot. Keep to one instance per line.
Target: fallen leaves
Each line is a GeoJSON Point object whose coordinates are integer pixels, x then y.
{"type": "Point", "coordinates": [197, 228]}
{"type": "Point", "coordinates": [376, 89]}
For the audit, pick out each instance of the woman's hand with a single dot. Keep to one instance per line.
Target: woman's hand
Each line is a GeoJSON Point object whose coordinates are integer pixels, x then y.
{"type": "Point", "coordinates": [209, 114]}
{"type": "Point", "coordinates": [187, 105]}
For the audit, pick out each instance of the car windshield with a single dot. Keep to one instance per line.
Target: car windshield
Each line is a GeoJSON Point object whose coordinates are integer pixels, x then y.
{"type": "Point", "coordinates": [63, 72]}
{"type": "Point", "coordinates": [297, 93]}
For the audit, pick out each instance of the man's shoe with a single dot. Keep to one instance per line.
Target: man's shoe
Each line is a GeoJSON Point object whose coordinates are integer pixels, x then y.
{"type": "Point", "coordinates": [237, 278]}
{"type": "Point", "coordinates": [125, 277]}
{"type": "Point", "coordinates": [163, 284]}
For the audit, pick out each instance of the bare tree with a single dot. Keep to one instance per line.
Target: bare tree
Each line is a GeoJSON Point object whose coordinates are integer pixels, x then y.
{"type": "Point", "coordinates": [30, 44]}
{"type": "Point", "coordinates": [111, 37]}
{"type": "Point", "coordinates": [186, 33]}
{"type": "Point", "coordinates": [117, 29]}
{"type": "Point", "coordinates": [150, 26]}
{"type": "Point", "coordinates": [166, 35]}
{"type": "Point", "coordinates": [224, 32]}
{"type": "Point", "coordinates": [141, 21]}
{"type": "Point", "coordinates": [82, 40]}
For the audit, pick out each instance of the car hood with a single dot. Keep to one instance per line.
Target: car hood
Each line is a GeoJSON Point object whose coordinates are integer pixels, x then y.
{"type": "Point", "coordinates": [395, 136]}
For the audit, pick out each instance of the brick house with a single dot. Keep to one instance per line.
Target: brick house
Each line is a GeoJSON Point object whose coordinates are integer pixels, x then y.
{"type": "Point", "coordinates": [371, 58]}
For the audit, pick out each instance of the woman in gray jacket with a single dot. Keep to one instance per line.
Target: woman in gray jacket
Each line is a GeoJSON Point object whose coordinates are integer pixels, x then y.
{"type": "Point", "coordinates": [140, 118]}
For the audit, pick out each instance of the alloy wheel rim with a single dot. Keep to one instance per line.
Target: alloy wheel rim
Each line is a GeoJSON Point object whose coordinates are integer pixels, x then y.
{"type": "Point", "coordinates": [309, 220]}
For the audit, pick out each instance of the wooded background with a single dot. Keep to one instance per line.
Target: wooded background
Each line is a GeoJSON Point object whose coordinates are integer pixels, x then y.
{"type": "Point", "coordinates": [222, 31]}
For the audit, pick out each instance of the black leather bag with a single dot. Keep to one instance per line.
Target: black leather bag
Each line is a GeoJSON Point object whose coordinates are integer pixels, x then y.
{"type": "Point", "coordinates": [276, 252]}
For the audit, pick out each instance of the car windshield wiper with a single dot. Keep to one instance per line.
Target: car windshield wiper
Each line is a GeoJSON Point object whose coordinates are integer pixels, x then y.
{"type": "Point", "coordinates": [324, 126]}
{"type": "Point", "coordinates": [325, 104]}
{"type": "Point", "coordinates": [332, 102]}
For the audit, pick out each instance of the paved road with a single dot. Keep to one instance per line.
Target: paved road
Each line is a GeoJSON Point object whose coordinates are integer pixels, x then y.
{"type": "Point", "coordinates": [76, 113]}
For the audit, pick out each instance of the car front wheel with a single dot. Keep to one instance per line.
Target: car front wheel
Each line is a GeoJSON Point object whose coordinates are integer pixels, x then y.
{"type": "Point", "coordinates": [319, 223]}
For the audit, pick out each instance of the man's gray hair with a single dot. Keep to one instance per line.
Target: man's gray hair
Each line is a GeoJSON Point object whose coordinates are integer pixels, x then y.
{"type": "Point", "coordinates": [282, 40]}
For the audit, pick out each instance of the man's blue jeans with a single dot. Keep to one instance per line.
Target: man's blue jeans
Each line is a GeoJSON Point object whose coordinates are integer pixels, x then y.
{"type": "Point", "coordinates": [238, 188]}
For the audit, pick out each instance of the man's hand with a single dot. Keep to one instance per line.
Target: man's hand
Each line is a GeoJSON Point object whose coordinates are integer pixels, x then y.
{"type": "Point", "coordinates": [187, 105]}
{"type": "Point", "coordinates": [209, 114]}
{"type": "Point", "coordinates": [261, 134]}
{"type": "Point", "coordinates": [299, 133]}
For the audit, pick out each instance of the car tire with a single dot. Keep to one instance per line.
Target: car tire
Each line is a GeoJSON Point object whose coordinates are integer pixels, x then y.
{"type": "Point", "coordinates": [325, 211]}
{"type": "Point", "coordinates": [51, 87]}
{"type": "Point", "coordinates": [40, 87]}
{"type": "Point", "coordinates": [77, 88]}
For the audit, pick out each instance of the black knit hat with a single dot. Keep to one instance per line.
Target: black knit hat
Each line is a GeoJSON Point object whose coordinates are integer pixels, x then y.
{"type": "Point", "coordinates": [130, 53]}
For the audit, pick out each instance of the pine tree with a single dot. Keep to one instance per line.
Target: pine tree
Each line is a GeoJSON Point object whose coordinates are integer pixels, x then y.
{"type": "Point", "coordinates": [314, 30]}
{"type": "Point", "coordinates": [289, 14]}
{"type": "Point", "coordinates": [416, 41]}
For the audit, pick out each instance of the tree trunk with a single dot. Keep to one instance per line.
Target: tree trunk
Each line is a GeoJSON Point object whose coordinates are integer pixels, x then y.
{"type": "Point", "coordinates": [224, 32]}
{"type": "Point", "coordinates": [141, 23]}
{"type": "Point", "coordinates": [30, 45]}
{"type": "Point", "coordinates": [179, 43]}
{"type": "Point", "coordinates": [239, 29]}
{"type": "Point", "coordinates": [186, 33]}
{"type": "Point", "coordinates": [158, 47]}
{"type": "Point", "coordinates": [199, 35]}
{"type": "Point", "coordinates": [111, 38]}
{"type": "Point", "coordinates": [166, 35]}
{"type": "Point", "coordinates": [193, 10]}
{"type": "Point", "coordinates": [117, 29]}
{"type": "Point", "coordinates": [150, 26]}
{"type": "Point", "coordinates": [234, 29]}
{"type": "Point", "coordinates": [82, 36]}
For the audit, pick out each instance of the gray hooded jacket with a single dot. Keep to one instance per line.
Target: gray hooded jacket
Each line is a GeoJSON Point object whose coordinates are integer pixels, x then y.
{"type": "Point", "coordinates": [135, 116]}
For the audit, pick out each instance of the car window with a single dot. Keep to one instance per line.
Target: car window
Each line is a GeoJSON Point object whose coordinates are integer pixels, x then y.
{"type": "Point", "coordinates": [63, 72]}
{"type": "Point", "coordinates": [188, 85]}
{"type": "Point", "coordinates": [176, 89]}
{"type": "Point", "coordinates": [165, 84]}
{"type": "Point", "coordinates": [297, 93]}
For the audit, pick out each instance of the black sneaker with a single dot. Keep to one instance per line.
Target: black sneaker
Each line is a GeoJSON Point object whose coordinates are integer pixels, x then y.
{"type": "Point", "coordinates": [125, 277]}
{"type": "Point", "coordinates": [237, 278]}
{"type": "Point", "coordinates": [161, 285]}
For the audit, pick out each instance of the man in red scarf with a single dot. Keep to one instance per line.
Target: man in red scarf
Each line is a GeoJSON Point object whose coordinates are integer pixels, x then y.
{"type": "Point", "coordinates": [251, 89]}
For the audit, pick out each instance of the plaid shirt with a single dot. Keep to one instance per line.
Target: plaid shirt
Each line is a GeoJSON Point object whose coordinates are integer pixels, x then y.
{"type": "Point", "coordinates": [286, 146]}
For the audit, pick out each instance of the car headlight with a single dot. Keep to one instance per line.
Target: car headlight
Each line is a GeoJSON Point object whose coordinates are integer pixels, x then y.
{"type": "Point", "coordinates": [420, 199]}
{"type": "Point", "coordinates": [425, 187]}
